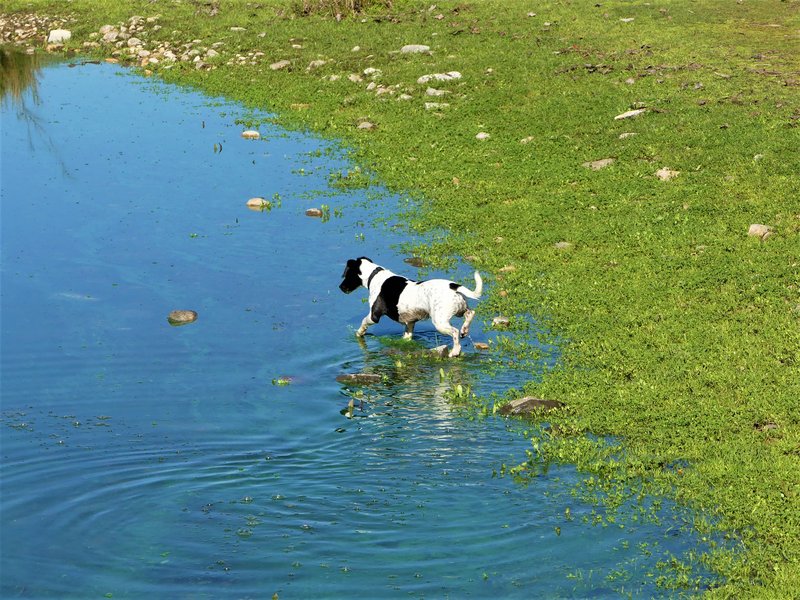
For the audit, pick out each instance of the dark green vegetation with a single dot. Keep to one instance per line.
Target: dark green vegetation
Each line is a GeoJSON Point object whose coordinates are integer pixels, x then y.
{"type": "Point", "coordinates": [680, 333]}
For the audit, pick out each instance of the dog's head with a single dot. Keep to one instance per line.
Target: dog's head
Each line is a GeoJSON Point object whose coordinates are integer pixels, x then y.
{"type": "Point", "coordinates": [352, 275]}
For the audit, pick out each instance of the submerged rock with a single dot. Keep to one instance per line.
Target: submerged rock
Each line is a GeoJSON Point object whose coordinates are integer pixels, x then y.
{"type": "Point", "coordinates": [313, 212]}
{"type": "Point", "coordinates": [359, 378]}
{"type": "Point", "coordinates": [414, 261]}
{"type": "Point", "coordinates": [181, 317]}
{"type": "Point", "coordinates": [481, 345]}
{"type": "Point", "coordinates": [529, 405]}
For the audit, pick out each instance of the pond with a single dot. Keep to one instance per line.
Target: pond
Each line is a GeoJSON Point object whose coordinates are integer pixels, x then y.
{"type": "Point", "coordinates": [217, 459]}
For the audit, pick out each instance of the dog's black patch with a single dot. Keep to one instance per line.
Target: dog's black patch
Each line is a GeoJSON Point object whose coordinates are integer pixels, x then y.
{"type": "Point", "coordinates": [352, 278]}
{"type": "Point", "coordinates": [454, 286]}
{"type": "Point", "coordinates": [388, 298]}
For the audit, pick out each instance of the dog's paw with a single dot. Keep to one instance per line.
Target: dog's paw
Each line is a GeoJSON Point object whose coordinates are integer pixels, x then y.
{"type": "Point", "coordinates": [454, 353]}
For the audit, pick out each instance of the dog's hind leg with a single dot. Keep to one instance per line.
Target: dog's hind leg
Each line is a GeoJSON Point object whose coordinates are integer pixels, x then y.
{"type": "Point", "coordinates": [468, 316]}
{"type": "Point", "coordinates": [366, 322]}
{"type": "Point", "coordinates": [409, 333]}
{"type": "Point", "coordinates": [445, 328]}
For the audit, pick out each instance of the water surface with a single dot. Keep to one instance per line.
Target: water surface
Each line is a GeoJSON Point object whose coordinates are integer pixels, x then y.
{"type": "Point", "coordinates": [213, 460]}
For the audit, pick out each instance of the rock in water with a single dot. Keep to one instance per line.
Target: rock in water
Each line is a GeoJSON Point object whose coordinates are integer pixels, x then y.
{"type": "Point", "coordinates": [181, 317]}
{"type": "Point", "coordinates": [529, 405]}
{"type": "Point", "coordinates": [359, 378]}
{"type": "Point", "coordinates": [313, 212]}
{"type": "Point", "coordinates": [251, 135]}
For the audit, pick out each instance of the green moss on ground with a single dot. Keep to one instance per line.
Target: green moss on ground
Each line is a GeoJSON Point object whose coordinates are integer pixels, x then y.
{"type": "Point", "coordinates": [680, 333]}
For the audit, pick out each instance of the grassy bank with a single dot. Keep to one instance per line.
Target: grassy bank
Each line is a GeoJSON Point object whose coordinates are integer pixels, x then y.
{"type": "Point", "coordinates": [680, 333]}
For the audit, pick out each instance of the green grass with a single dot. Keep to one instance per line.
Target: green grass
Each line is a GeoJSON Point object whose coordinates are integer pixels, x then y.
{"type": "Point", "coordinates": [680, 334]}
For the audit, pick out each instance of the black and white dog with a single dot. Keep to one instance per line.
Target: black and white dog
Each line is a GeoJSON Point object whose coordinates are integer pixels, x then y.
{"type": "Point", "coordinates": [407, 301]}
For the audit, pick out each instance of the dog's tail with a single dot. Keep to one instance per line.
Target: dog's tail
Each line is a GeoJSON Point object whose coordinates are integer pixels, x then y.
{"type": "Point", "coordinates": [470, 293]}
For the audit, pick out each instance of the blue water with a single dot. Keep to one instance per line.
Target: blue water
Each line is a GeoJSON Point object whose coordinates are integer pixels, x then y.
{"type": "Point", "coordinates": [145, 460]}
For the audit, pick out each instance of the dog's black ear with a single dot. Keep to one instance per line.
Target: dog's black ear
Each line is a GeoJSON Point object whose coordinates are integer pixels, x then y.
{"type": "Point", "coordinates": [351, 264]}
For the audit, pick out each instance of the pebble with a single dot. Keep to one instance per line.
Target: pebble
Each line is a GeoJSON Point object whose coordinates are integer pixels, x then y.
{"type": "Point", "coordinates": [435, 105]}
{"type": "Point", "coordinates": [596, 165]}
{"type": "Point", "coordinates": [630, 114]}
{"type": "Point", "coordinates": [313, 212]}
{"type": "Point", "coordinates": [315, 64]}
{"type": "Point", "coordinates": [134, 42]}
{"type": "Point", "coordinates": [481, 346]}
{"type": "Point", "coordinates": [372, 72]}
{"type": "Point", "coordinates": [626, 135]}
{"type": "Point", "coordinates": [435, 92]}
{"type": "Point", "coordinates": [415, 49]}
{"type": "Point", "coordinates": [760, 231]}
{"type": "Point", "coordinates": [366, 125]}
{"type": "Point", "coordinates": [562, 245]}
{"type": "Point", "coordinates": [482, 136]}
{"type": "Point", "coordinates": [526, 140]}
{"type": "Point", "coordinates": [181, 317]}
{"type": "Point", "coordinates": [665, 174]}
{"type": "Point", "coordinates": [251, 134]}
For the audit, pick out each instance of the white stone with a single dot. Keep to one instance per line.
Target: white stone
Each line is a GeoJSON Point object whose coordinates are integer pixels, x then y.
{"type": "Point", "coordinates": [251, 134]}
{"type": "Point", "coordinates": [435, 92]}
{"type": "Point", "coordinates": [58, 36]}
{"type": "Point", "coordinates": [212, 53]}
{"type": "Point", "coordinates": [315, 64]}
{"type": "Point", "coordinates": [105, 29]}
{"type": "Point", "coordinates": [449, 76]}
{"type": "Point", "coordinates": [482, 136]}
{"type": "Point", "coordinates": [435, 105]}
{"type": "Point", "coordinates": [366, 125]}
{"type": "Point", "coordinates": [110, 36]}
{"type": "Point", "coordinates": [665, 174]}
{"type": "Point", "coordinates": [281, 64]}
{"type": "Point", "coordinates": [626, 135]}
{"type": "Point", "coordinates": [372, 72]}
{"type": "Point", "coordinates": [415, 49]}
{"type": "Point", "coordinates": [405, 97]}
{"type": "Point", "coordinates": [630, 114]}
{"type": "Point", "coordinates": [760, 231]}
{"type": "Point", "coordinates": [134, 42]}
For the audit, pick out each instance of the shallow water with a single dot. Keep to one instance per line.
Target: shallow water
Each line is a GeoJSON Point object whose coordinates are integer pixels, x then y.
{"type": "Point", "coordinates": [144, 459]}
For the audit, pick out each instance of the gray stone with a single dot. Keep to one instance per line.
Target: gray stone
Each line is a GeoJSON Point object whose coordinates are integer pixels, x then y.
{"type": "Point", "coordinates": [596, 165]}
{"type": "Point", "coordinates": [528, 406]}
{"type": "Point", "coordinates": [501, 321]}
{"type": "Point", "coordinates": [281, 64]}
{"type": "Point", "coordinates": [134, 42]}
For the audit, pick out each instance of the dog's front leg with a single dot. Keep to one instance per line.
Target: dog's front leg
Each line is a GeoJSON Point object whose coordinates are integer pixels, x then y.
{"type": "Point", "coordinates": [409, 333]}
{"type": "Point", "coordinates": [364, 324]}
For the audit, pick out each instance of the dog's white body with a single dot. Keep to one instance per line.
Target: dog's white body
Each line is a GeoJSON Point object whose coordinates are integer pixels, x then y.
{"type": "Point", "coordinates": [409, 301]}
